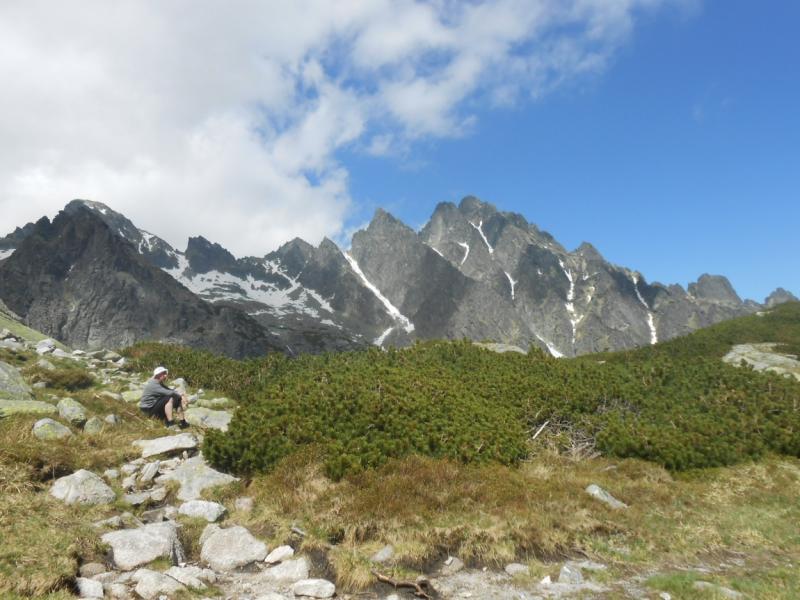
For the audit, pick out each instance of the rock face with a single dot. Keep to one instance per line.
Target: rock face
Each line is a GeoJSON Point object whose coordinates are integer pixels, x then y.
{"type": "Point", "coordinates": [472, 271]}
{"type": "Point", "coordinates": [77, 280]}
{"type": "Point", "coordinates": [131, 548]}
{"type": "Point", "coordinates": [763, 357]}
{"type": "Point", "coordinates": [82, 487]}
{"type": "Point", "coordinates": [232, 548]}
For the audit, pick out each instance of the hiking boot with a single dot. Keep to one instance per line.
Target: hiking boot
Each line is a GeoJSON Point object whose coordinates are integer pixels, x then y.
{"type": "Point", "coordinates": [183, 424]}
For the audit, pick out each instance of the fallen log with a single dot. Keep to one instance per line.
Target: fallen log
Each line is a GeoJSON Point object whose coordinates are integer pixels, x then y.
{"type": "Point", "coordinates": [422, 589]}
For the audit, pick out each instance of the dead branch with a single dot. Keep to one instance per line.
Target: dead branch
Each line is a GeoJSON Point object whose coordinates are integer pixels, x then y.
{"type": "Point", "coordinates": [419, 592]}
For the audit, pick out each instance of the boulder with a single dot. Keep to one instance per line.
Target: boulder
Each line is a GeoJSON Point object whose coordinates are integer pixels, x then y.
{"type": "Point", "coordinates": [151, 584]}
{"type": "Point", "coordinates": [598, 493]}
{"type": "Point", "coordinates": [570, 575]}
{"type": "Point", "coordinates": [215, 402]}
{"type": "Point", "coordinates": [45, 346]}
{"type": "Point", "coordinates": [194, 476]}
{"type": "Point", "coordinates": [452, 566]}
{"type": "Point", "coordinates": [131, 548]}
{"type": "Point", "coordinates": [72, 411]}
{"type": "Point", "coordinates": [48, 429]}
{"type": "Point", "coordinates": [201, 509]}
{"type": "Point", "coordinates": [208, 419]}
{"type": "Point", "coordinates": [280, 554]}
{"type": "Point", "coordinates": [93, 426]}
{"type": "Point", "coordinates": [137, 498]}
{"type": "Point", "coordinates": [45, 364]}
{"type": "Point", "coordinates": [167, 444]}
{"type": "Point", "coordinates": [25, 407]}
{"type": "Point", "coordinates": [111, 396]}
{"type": "Point", "coordinates": [287, 572]}
{"type": "Point", "coordinates": [82, 487]}
{"type": "Point", "coordinates": [12, 385]}
{"type": "Point", "coordinates": [92, 569]}
{"type": "Point", "coordinates": [111, 356]}
{"type": "Point", "coordinates": [232, 548]}
{"type": "Point", "coordinates": [59, 353]}
{"type": "Point", "coordinates": [112, 420]}
{"type": "Point", "coordinates": [149, 472]}
{"type": "Point", "coordinates": [88, 588]}
{"type": "Point", "coordinates": [314, 588]}
{"type": "Point", "coordinates": [130, 396]}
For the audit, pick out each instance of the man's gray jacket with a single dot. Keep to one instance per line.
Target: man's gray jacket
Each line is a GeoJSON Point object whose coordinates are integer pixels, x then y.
{"type": "Point", "coordinates": [154, 391]}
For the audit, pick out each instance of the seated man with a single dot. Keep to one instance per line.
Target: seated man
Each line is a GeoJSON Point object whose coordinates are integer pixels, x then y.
{"type": "Point", "coordinates": [160, 401]}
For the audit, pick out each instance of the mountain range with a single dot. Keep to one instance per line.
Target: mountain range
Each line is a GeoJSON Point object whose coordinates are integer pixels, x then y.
{"type": "Point", "coordinates": [92, 279]}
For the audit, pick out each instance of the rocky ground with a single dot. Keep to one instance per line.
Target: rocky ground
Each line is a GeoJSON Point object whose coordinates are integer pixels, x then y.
{"type": "Point", "coordinates": [151, 496]}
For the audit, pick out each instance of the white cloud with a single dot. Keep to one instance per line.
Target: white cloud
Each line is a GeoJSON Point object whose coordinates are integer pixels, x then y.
{"type": "Point", "coordinates": [225, 119]}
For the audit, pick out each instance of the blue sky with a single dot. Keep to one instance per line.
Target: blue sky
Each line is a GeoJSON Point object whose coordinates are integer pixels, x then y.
{"type": "Point", "coordinates": [683, 157]}
{"type": "Point", "coordinates": [665, 132]}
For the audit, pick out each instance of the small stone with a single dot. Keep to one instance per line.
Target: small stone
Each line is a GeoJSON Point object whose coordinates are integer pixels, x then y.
{"type": "Point", "coordinates": [109, 395]}
{"type": "Point", "coordinates": [717, 589]}
{"type": "Point", "coordinates": [452, 566]}
{"type": "Point", "coordinates": [570, 575]}
{"type": "Point", "coordinates": [48, 429]}
{"type": "Point", "coordinates": [87, 588]}
{"type": "Point", "coordinates": [665, 596]}
{"type": "Point", "coordinates": [119, 591]}
{"type": "Point", "coordinates": [93, 426]}
{"type": "Point", "coordinates": [280, 554]}
{"type": "Point", "coordinates": [111, 474]}
{"type": "Point", "coordinates": [82, 487]}
{"type": "Point", "coordinates": [112, 420]}
{"type": "Point", "coordinates": [201, 509]}
{"type": "Point", "coordinates": [156, 515]}
{"type": "Point", "coordinates": [129, 468]}
{"type": "Point", "coordinates": [111, 356]}
{"type": "Point", "coordinates": [72, 411]}
{"type": "Point", "coordinates": [91, 569]}
{"type": "Point", "coordinates": [517, 569]}
{"type": "Point", "coordinates": [192, 577]}
{"type": "Point", "coordinates": [112, 523]}
{"type": "Point", "coordinates": [243, 504]}
{"type": "Point", "coordinates": [45, 346]}
{"type": "Point", "coordinates": [546, 581]}
{"type": "Point", "coordinates": [39, 385]}
{"type": "Point", "coordinates": [158, 494]}
{"type": "Point", "coordinates": [314, 588]}
{"type": "Point", "coordinates": [382, 555]}
{"type": "Point", "coordinates": [149, 472]}
{"type": "Point", "coordinates": [129, 482]}
{"type": "Point", "coordinates": [151, 584]}
{"type": "Point", "coordinates": [595, 491]}
{"type": "Point", "coordinates": [229, 549]}
{"type": "Point", "coordinates": [137, 499]}
{"type": "Point", "coordinates": [287, 572]}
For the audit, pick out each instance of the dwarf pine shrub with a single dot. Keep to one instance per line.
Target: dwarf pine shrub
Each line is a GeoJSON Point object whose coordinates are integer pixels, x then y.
{"type": "Point", "coordinates": [676, 404]}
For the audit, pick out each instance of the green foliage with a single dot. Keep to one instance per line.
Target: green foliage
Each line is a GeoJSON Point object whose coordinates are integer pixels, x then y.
{"type": "Point", "coordinates": [70, 379]}
{"type": "Point", "coordinates": [676, 403]}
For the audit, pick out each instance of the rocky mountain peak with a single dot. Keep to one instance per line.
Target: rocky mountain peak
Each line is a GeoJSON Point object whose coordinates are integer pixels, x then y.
{"type": "Point", "coordinates": [779, 296]}
{"type": "Point", "coordinates": [716, 288]}
{"type": "Point", "coordinates": [205, 256]}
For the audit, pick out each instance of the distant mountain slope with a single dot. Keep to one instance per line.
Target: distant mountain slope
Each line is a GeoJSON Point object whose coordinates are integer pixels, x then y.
{"type": "Point", "coordinates": [76, 280]}
{"type": "Point", "coordinates": [472, 271]}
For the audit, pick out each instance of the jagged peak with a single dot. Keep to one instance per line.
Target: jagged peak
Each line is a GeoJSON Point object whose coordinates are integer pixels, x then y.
{"type": "Point", "coordinates": [588, 251]}
{"type": "Point", "coordinates": [714, 287]}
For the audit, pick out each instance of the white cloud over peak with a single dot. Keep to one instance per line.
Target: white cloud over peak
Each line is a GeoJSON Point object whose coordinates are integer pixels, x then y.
{"type": "Point", "coordinates": [225, 119]}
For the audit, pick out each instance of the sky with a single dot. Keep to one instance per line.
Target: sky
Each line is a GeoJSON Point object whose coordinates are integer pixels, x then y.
{"type": "Point", "coordinates": [664, 132]}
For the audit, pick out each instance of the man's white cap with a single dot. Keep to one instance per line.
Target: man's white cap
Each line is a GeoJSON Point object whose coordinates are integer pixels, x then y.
{"type": "Point", "coordinates": [158, 371]}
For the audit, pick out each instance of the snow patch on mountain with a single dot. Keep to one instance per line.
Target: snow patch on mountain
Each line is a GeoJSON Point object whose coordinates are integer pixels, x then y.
{"type": "Point", "coordinates": [437, 251]}
{"type": "Point", "coordinates": [479, 228]}
{"type": "Point", "coordinates": [390, 308]}
{"type": "Point", "coordinates": [574, 319]}
{"type": "Point", "coordinates": [650, 320]}
{"type": "Point", "coordinates": [550, 347]}
{"type": "Point", "coordinates": [511, 282]}
{"type": "Point", "coordinates": [465, 246]}
{"type": "Point", "coordinates": [382, 337]}
{"type": "Point", "coordinates": [4, 254]}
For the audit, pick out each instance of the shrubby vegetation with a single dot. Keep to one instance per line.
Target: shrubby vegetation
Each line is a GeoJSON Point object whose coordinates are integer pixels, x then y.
{"type": "Point", "coordinates": [675, 404]}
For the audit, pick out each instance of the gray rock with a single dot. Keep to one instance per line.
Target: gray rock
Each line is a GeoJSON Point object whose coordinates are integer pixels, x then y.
{"type": "Point", "coordinates": [763, 357]}
{"type": "Point", "coordinates": [179, 384]}
{"type": "Point", "coordinates": [12, 385]}
{"type": "Point", "coordinates": [287, 572]}
{"type": "Point", "coordinates": [25, 407]}
{"type": "Point", "coordinates": [119, 591]}
{"type": "Point", "coordinates": [500, 348]}
{"type": "Point", "coordinates": [112, 420]}
{"type": "Point", "coordinates": [201, 509]}
{"type": "Point", "coordinates": [451, 566]}
{"type": "Point", "coordinates": [271, 596]}
{"type": "Point", "coordinates": [382, 555]}
{"type": "Point", "coordinates": [570, 575]}
{"type": "Point", "coordinates": [93, 426]}
{"type": "Point", "coordinates": [59, 353]}
{"type": "Point", "coordinates": [111, 396]}
{"type": "Point", "coordinates": [82, 487]}
{"type": "Point", "coordinates": [45, 346]}
{"type": "Point", "coordinates": [209, 530]}
{"type": "Point", "coordinates": [88, 588]}
{"type": "Point", "coordinates": [114, 522]}
{"type": "Point", "coordinates": [131, 396]}
{"type": "Point", "coordinates": [717, 589]}
{"type": "Point", "coordinates": [166, 444]}
{"type": "Point", "coordinates": [89, 570]}
{"type": "Point", "coordinates": [194, 476]}
{"type": "Point", "coordinates": [48, 429]}
{"type": "Point", "coordinates": [280, 554]}
{"type": "Point", "coordinates": [131, 548]}
{"type": "Point", "coordinates": [215, 402]}
{"type": "Point", "coordinates": [111, 474]}
{"type": "Point", "coordinates": [232, 548]}
{"type": "Point", "coordinates": [5, 334]}
{"type": "Point", "coordinates": [243, 504]}
{"type": "Point", "coordinates": [151, 584]}
{"type": "Point", "coordinates": [129, 482]}
{"type": "Point", "coordinates": [598, 493]}
{"type": "Point", "coordinates": [158, 494]}
{"type": "Point", "coordinates": [129, 468]}
{"type": "Point", "coordinates": [155, 515]}
{"type": "Point", "coordinates": [192, 577]}
{"type": "Point", "coordinates": [43, 363]}
{"type": "Point", "coordinates": [208, 419]}
{"type": "Point", "coordinates": [314, 588]}
{"type": "Point", "coordinates": [111, 356]}
{"type": "Point", "coordinates": [149, 472]}
{"type": "Point", "coordinates": [72, 411]}
{"type": "Point", "coordinates": [137, 498]}
{"type": "Point", "coordinates": [517, 569]}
